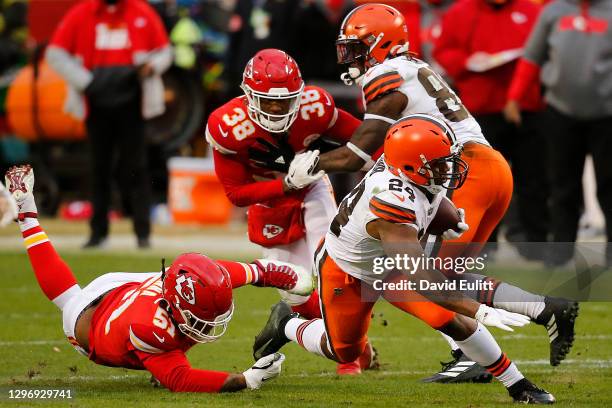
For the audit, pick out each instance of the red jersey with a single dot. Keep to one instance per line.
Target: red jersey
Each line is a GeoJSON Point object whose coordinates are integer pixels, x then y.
{"type": "Point", "coordinates": [130, 329]}
{"type": "Point", "coordinates": [231, 132]}
{"type": "Point", "coordinates": [472, 26]}
{"type": "Point", "coordinates": [101, 38]}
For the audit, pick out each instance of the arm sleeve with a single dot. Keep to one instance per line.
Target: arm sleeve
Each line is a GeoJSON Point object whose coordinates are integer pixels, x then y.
{"type": "Point", "coordinates": [344, 127]}
{"type": "Point", "coordinates": [395, 207]}
{"type": "Point", "coordinates": [161, 60]}
{"type": "Point", "coordinates": [173, 370]}
{"type": "Point", "coordinates": [238, 184]}
{"type": "Point", "coordinates": [536, 49]}
{"type": "Point", "coordinates": [448, 50]}
{"type": "Point", "coordinates": [68, 67]}
{"type": "Point", "coordinates": [240, 273]}
{"type": "Point", "coordinates": [525, 76]}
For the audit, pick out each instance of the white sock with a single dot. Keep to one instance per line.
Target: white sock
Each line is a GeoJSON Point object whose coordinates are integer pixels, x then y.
{"type": "Point", "coordinates": [482, 348]}
{"type": "Point", "coordinates": [450, 341]}
{"type": "Point", "coordinates": [517, 300]}
{"type": "Point", "coordinates": [307, 333]}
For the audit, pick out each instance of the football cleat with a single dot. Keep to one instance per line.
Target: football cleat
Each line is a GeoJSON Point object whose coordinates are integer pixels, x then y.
{"type": "Point", "coordinates": [460, 370]}
{"type": "Point", "coordinates": [559, 316]}
{"type": "Point", "coordinates": [272, 337]}
{"type": "Point", "coordinates": [351, 368]}
{"type": "Point", "coordinates": [525, 392]}
{"type": "Point", "coordinates": [20, 183]}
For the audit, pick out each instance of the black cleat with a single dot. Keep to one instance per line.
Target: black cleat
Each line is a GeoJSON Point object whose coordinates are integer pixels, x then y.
{"type": "Point", "coordinates": [460, 370]}
{"type": "Point", "coordinates": [272, 337]}
{"type": "Point", "coordinates": [559, 316]}
{"type": "Point", "coordinates": [525, 392]}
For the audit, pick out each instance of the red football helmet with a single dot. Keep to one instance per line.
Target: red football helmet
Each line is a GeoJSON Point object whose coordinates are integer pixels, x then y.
{"type": "Point", "coordinates": [273, 86]}
{"type": "Point", "coordinates": [370, 34]}
{"type": "Point", "coordinates": [424, 150]}
{"type": "Point", "coordinates": [199, 294]}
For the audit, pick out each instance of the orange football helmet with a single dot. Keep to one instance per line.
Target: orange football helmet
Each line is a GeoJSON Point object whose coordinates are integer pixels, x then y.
{"type": "Point", "coordinates": [370, 34]}
{"type": "Point", "coordinates": [424, 150]}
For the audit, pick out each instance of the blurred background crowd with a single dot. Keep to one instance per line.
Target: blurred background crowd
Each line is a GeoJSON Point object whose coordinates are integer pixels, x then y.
{"type": "Point", "coordinates": [537, 77]}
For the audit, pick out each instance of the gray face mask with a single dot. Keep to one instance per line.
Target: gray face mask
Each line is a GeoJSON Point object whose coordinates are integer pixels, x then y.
{"type": "Point", "coordinates": [111, 2]}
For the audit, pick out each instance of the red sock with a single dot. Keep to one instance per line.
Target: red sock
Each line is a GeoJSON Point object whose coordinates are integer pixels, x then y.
{"type": "Point", "coordinates": [311, 309]}
{"type": "Point", "coordinates": [53, 275]}
{"type": "Point", "coordinates": [240, 273]}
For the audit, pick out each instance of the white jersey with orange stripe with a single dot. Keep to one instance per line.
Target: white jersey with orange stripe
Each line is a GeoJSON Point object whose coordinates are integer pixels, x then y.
{"type": "Point", "coordinates": [380, 194]}
{"type": "Point", "coordinates": [427, 93]}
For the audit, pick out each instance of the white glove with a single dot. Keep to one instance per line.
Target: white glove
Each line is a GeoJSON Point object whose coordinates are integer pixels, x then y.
{"type": "Point", "coordinates": [8, 207]}
{"type": "Point", "coordinates": [301, 168]}
{"type": "Point", "coordinates": [490, 316]}
{"type": "Point", "coordinates": [265, 368]}
{"type": "Point", "coordinates": [20, 183]}
{"type": "Point", "coordinates": [461, 226]}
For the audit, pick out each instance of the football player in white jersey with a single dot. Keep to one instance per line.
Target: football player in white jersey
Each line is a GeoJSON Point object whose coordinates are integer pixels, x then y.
{"type": "Point", "coordinates": [383, 218]}
{"type": "Point", "coordinates": [373, 45]}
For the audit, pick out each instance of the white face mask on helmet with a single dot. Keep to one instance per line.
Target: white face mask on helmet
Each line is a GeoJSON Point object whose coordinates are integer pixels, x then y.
{"type": "Point", "coordinates": [275, 123]}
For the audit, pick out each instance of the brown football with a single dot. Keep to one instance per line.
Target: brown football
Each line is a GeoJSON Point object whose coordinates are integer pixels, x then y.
{"type": "Point", "coordinates": [446, 218]}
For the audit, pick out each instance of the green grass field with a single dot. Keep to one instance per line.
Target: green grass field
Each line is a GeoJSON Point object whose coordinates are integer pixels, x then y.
{"type": "Point", "coordinates": [35, 354]}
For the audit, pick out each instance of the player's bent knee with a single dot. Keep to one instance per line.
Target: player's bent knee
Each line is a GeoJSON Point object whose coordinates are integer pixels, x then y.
{"type": "Point", "coordinates": [459, 328]}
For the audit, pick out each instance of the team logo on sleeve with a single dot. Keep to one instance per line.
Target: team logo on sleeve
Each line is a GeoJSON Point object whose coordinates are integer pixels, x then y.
{"type": "Point", "coordinates": [270, 230]}
{"type": "Point", "coordinates": [184, 287]}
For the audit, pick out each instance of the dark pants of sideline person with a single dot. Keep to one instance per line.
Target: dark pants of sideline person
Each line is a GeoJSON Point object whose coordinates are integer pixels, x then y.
{"type": "Point", "coordinates": [116, 135]}
{"type": "Point", "coordinates": [569, 141]}
{"type": "Point", "coordinates": [525, 149]}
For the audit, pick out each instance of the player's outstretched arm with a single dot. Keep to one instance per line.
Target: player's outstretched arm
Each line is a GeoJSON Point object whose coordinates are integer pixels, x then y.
{"type": "Point", "coordinates": [402, 240]}
{"type": "Point", "coordinates": [368, 137]}
{"type": "Point", "coordinates": [173, 371]}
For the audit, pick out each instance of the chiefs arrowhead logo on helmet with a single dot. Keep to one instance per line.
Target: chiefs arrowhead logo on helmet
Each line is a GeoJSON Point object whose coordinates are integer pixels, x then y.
{"type": "Point", "coordinates": [184, 287]}
{"type": "Point", "coordinates": [270, 230]}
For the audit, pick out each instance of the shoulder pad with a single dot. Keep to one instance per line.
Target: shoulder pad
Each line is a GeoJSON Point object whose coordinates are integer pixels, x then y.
{"type": "Point", "coordinates": [318, 106]}
{"type": "Point", "coordinates": [151, 339]}
{"type": "Point", "coordinates": [380, 80]}
{"type": "Point", "coordinates": [392, 206]}
{"type": "Point", "coordinates": [228, 126]}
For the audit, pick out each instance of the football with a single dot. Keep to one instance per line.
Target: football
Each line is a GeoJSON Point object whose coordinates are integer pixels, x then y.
{"type": "Point", "coordinates": [446, 218]}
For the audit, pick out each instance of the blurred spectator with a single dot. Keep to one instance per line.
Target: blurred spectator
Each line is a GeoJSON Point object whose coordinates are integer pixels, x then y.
{"type": "Point", "coordinates": [114, 52]}
{"type": "Point", "coordinates": [480, 43]}
{"type": "Point", "coordinates": [432, 12]}
{"type": "Point", "coordinates": [570, 49]}
{"type": "Point", "coordinates": [305, 28]}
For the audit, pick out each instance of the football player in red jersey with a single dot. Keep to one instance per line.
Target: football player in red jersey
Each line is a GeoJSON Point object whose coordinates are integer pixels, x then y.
{"type": "Point", "coordinates": [288, 214]}
{"type": "Point", "coordinates": [148, 320]}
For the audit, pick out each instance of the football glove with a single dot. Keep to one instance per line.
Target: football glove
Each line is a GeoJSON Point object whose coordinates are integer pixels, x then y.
{"type": "Point", "coordinates": [301, 170]}
{"type": "Point", "coordinates": [461, 226]}
{"type": "Point", "coordinates": [264, 369]}
{"type": "Point", "coordinates": [277, 275]}
{"type": "Point", "coordinates": [490, 316]}
{"type": "Point", "coordinates": [294, 279]}
{"type": "Point", "coordinates": [20, 183]}
{"type": "Point", "coordinates": [8, 207]}
{"type": "Point", "coordinates": [270, 156]}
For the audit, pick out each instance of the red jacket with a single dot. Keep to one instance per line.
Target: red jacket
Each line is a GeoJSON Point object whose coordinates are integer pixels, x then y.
{"type": "Point", "coordinates": [471, 26]}
{"type": "Point", "coordinates": [103, 39]}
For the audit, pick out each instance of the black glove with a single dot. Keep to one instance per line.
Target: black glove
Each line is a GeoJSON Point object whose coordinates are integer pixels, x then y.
{"type": "Point", "coordinates": [271, 156]}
